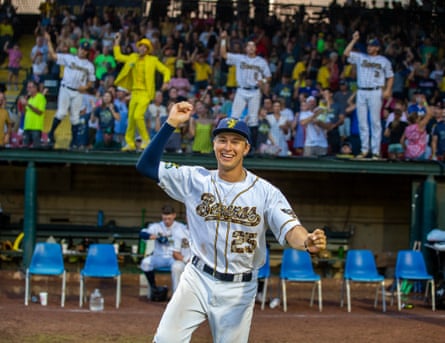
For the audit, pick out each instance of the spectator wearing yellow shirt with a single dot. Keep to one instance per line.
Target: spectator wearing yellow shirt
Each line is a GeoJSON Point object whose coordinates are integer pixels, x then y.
{"type": "Point", "coordinates": [203, 71]}
{"type": "Point", "coordinates": [5, 121]}
{"type": "Point", "coordinates": [324, 74]}
{"type": "Point", "coordinates": [35, 107]}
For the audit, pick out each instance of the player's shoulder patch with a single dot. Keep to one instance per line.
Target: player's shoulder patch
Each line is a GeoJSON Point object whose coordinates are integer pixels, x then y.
{"type": "Point", "coordinates": [289, 212]}
{"type": "Point", "coordinates": [169, 165]}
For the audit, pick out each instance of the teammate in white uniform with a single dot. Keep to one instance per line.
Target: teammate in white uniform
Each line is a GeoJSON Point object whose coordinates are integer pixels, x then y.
{"type": "Point", "coordinates": [252, 73]}
{"type": "Point", "coordinates": [163, 234]}
{"type": "Point", "coordinates": [78, 77]}
{"type": "Point", "coordinates": [228, 212]}
{"type": "Point", "coordinates": [374, 80]}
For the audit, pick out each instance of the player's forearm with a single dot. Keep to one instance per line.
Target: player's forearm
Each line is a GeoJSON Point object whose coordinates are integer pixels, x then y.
{"type": "Point", "coordinates": [349, 47]}
{"type": "Point", "coordinates": [148, 162]}
{"type": "Point", "coordinates": [297, 237]}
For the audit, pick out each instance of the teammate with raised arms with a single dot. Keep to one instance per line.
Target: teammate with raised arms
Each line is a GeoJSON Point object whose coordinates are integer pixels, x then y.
{"type": "Point", "coordinates": [228, 212]}
{"type": "Point", "coordinates": [374, 80]}
{"type": "Point", "coordinates": [252, 73]}
{"type": "Point", "coordinates": [78, 77]}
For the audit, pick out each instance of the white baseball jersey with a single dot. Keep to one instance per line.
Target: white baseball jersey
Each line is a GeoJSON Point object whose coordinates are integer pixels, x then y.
{"type": "Point", "coordinates": [249, 70]}
{"type": "Point", "coordinates": [372, 71]}
{"type": "Point", "coordinates": [228, 221]}
{"type": "Point", "coordinates": [159, 229]}
{"type": "Point", "coordinates": [77, 71]}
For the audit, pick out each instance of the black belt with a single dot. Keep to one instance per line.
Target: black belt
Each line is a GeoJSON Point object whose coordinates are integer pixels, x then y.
{"type": "Point", "coordinates": [70, 88]}
{"type": "Point", "coordinates": [242, 277]}
{"type": "Point", "coordinates": [369, 88]}
{"type": "Point", "coordinates": [249, 88]}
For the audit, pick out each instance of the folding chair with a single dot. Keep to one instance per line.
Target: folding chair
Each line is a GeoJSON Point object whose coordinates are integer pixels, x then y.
{"type": "Point", "coordinates": [296, 266]}
{"type": "Point", "coordinates": [47, 259]}
{"type": "Point", "coordinates": [410, 265]}
{"type": "Point", "coordinates": [101, 262]}
{"type": "Point", "coordinates": [361, 267]}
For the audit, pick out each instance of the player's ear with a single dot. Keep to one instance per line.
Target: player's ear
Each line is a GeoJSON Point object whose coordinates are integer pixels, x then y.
{"type": "Point", "coordinates": [246, 149]}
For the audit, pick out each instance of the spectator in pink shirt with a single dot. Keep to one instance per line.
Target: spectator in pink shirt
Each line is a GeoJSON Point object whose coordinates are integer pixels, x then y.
{"type": "Point", "coordinates": [14, 57]}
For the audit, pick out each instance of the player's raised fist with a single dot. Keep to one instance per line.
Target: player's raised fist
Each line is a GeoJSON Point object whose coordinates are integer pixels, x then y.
{"type": "Point", "coordinates": [316, 241]}
{"type": "Point", "coordinates": [356, 35]}
{"type": "Point", "coordinates": [179, 113]}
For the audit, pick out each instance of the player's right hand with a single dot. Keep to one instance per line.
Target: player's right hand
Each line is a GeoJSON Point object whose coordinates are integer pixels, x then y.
{"type": "Point", "coordinates": [180, 113]}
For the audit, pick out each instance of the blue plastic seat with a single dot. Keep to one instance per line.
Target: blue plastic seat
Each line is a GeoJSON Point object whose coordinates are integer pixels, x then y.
{"type": "Point", "coordinates": [264, 273]}
{"type": "Point", "coordinates": [47, 259]}
{"type": "Point", "coordinates": [410, 265]}
{"type": "Point", "coordinates": [296, 266]}
{"type": "Point", "coordinates": [361, 267]}
{"type": "Point", "coordinates": [101, 262]}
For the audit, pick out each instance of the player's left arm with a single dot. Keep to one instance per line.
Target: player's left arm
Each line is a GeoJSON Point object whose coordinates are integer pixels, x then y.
{"type": "Point", "coordinates": [387, 92]}
{"type": "Point", "coordinates": [299, 238]}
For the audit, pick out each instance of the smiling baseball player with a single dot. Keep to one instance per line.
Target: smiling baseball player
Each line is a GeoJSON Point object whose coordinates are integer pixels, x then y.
{"type": "Point", "coordinates": [252, 73]}
{"type": "Point", "coordinates": [228, 213]}
{"type": "Point", "coordinates": [374, 80]}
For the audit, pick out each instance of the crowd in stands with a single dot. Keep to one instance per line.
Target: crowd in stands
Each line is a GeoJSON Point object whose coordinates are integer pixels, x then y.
{"type": "Point", "coordinates": [311, 78]}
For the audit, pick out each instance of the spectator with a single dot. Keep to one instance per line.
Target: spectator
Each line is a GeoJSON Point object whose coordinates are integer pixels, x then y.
{"type": "Point", "coordinates": [438, 137]}
{"type": "Point", "coordinates": [341, 97]}
{"type": "Point", "coordinates": [14, 59]}
{"type": "Point", "coordinates": [315, 143]}
{"type": "Point", "coordinates": [279, 127]}
{"type": "Point", "coordinates": [200, 129]}
{"type": "Point", "coordinates": [203, 72]}
{"type": "Point", "coordinates": [104, 63]}
{"type": "Point", "coordinates": [35, 107]}
{"type": "Point", "coordinates": [334, 118]}
{"type": "Point", "coordinates": [181, 83]}
{"type": "Point", "coordinates": [121, 104]}
{"type": "Point", "coordinates": [394, 132]}
{"type": "Point", "coordinates": [415, 137]}
{"type": "Point", "coordinates": [265, 141]}
{"type": "Point", "coordinates": [156, 114]}
{"type": "Point", "coordinates": [105, 114]}
{"type": "Point", "coordinates": [138, 76]}
{"type": "Point", "coordinates": [5, 122]}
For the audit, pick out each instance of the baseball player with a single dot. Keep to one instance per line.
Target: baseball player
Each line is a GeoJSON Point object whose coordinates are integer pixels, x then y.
{"type": "Point", "coordinates": [162, 233]}
{"type": "Point", "coordinates": [78, 77]}
{"type": "Point", "coordinates": [252, 73]}
{"type": "Point", "coordinates": [228, 211]}
{"type": "Point", "coordinates": [374, 82]}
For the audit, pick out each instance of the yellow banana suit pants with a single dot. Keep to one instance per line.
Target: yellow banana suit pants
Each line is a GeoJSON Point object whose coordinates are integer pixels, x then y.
{"type": "Point", "coordinates": [136, 111]}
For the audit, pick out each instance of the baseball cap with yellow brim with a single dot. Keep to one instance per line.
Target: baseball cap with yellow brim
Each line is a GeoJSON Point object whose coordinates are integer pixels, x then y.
{"type": "Point", "coordinates": [234, 126]}
{"type": "Point", "coordinates": [146, 42]}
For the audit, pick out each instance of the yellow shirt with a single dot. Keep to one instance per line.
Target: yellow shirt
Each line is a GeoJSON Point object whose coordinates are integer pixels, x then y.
{"type": "Point", "coordinates": [298, 69]}
{"type": "Point", "coordinates": [323, 76]}
{"type": "Point", "coordinates": [4, 119]}
{"type": "Point", "coordinates": [170, 63]}
{"type": "Point", "coordinates": [203, 71]}
{"type": "Point", "coordinates": [231, 77]}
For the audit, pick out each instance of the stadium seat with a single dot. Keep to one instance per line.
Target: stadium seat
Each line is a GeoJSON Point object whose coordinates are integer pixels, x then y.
{"type": "Point", "coordinates": [410, 265]}
{"type": "Point", "coordinates": [47, 259]}
{"type": "Point", "coordinates": [296, 266]}
{"type": "Point", "coordinates": [360, 266]}
{"type": "Point", "coordinates": [101, 262]}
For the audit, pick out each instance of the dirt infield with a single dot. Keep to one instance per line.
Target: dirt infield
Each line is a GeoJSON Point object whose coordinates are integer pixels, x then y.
{"type": "Point", "coordinates": [136, 320]}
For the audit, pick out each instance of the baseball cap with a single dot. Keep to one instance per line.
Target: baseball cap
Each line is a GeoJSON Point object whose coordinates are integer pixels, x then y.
{"type": "Point", "coordinates": [232, 125]}
{"type": "Point", "coordinates": [122, 89]}
{"type": "Point", "coordinates": [343, 82]}
{"type": "Point", "coordinates": [85, 45]}
{"type": "Point", "coordinates": [311, 98]}
{"type": "Point", "coordinates": [146, 42]}
{"type": "Point", "coordinates": [374, 42]}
